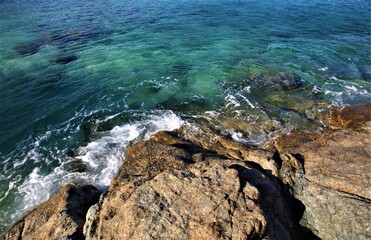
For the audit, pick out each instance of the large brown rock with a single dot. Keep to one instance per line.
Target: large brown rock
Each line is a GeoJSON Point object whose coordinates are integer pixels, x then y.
{"type": "Point", "coordinates": [350, 117]}
{"type": "Point", "coordinates": [174, 186]}
{"type": "Point", "coordinates": [193, 183]}
{"type": "Point", "coordinates": [223, 146]}
{"type": "Point", "coordinates": [61, 217]}
{"type": "Point", "coordinates": [330, 174]}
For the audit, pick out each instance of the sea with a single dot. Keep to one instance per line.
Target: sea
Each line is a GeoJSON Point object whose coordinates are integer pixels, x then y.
{"type": "Point", "coordinates": [81, 80]}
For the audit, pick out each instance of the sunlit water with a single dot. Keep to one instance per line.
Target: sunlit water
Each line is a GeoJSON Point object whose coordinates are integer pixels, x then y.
{"type": "Point", "coordinates": [81, 80]}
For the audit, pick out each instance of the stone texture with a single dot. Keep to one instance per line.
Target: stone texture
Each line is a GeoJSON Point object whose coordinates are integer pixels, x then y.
{"type": "Point", "coordinates": [61, 217]}
{"type": "Point", "coordinates": [329, 174]}
{"type": "Point", "coordinates": [213, 142]}
{"type": "Point", "coordinates": [350, 117]}
{"type": "Point", "coordinates": [182, 185]}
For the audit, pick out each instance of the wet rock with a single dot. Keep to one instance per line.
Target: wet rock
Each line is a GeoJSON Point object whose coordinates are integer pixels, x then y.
{"type": "Point", "coordinates": [286, 92]}
{"type": "Point", "coordinates": [61, 217]}
{"type": "Point", "coordinates": [76, 166]}
{"type": "Point", "coordinates": [170, 187]}
{"type": "Point", "coordinates": [72, 153]}
{"type": "Point", "coordinates": [353, 117]}
{"type": "Point", "coordinates": [287, 101]}
{"type": "Point", "coordinates": [223, 146]}
{"type": "Point", "coordinates": [329, 174]}
{"type": "Point", "coordinates": [88, 128]}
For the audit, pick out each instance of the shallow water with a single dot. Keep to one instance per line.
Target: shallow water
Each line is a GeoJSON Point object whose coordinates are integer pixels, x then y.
{"type": "Point", "coordinates": [80, 81]}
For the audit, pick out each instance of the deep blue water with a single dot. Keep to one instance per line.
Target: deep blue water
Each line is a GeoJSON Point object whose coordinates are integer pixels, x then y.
{"type": "Point", "coordinates": [81, 80]}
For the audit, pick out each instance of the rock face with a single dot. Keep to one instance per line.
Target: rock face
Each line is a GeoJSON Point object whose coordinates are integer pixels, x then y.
{"type": "Point", "coordinates": [171, 188]}
{"type": "Point", "coordinates": [349, 117]}
{"type": "Point", "coordinates": [61, 217]}
{"type": "Point", "coordinates": [330, 174]}
{"type": "Point", "coordinates": [193, 183]}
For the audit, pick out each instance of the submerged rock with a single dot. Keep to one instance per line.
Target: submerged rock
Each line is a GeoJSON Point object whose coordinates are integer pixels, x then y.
{"type": "Point", "coordinates": [27, 49]}
{"type": "Point", "coordinates": [59, 39]}
{"type": "Point", "coordinates": [277, 80]}
{"type": "Point", "coordinates": [61, 217]}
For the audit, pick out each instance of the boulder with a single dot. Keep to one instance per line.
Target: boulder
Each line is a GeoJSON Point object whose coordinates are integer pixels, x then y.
{"type": "Point", "coordinates": [329, 174]}
{"type": "Point", "coordinates": [61, 217]}
{"type": "Point", "coordinates": [170, 187]}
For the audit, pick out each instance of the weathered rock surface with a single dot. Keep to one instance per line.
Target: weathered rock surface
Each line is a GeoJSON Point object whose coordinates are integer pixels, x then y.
{"type": "Point", "coordinates": [330, 174]}
{"type": "Point", "coordinates": [351, 117]}
{"type": "Point", "coordinates": [215, 143]}
{"type": "Point", "coordinates": [172, 188]}
{"type": "Point", "coordinates": [193, 183]}
{"type": "Point", "coordinates": [61, 217]}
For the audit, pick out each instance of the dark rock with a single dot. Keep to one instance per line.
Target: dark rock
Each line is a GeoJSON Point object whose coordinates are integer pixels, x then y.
{"type": "Point", "coordinates": [76, 166]}
{"type": "Point", "coordinates": [88, 129]}
{"type": "Point", "coordinates": [61, 217]}
{"type": "Point", "coordinates": [64, 39]}
{"type": "Point", "coordinates": [72, 153]}
{"type": "Point", "coordinates": [60, 39]}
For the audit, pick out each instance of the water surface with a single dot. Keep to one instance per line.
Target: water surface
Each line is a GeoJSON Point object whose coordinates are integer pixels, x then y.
{"type": "Point", "coordinates": [81, 80]}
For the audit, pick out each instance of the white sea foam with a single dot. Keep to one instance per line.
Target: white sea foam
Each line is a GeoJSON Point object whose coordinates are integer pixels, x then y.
{"type": "Point", "coordinates": [323, 69]}
{"type": "Point", "coordinates": [101, 158]}
{"type": "Point", "coordinates": [247, 100]}
{"type": "Point", "coordinates": [232, 100]}
{"type": "Point", "coordinates": [342, 92]}
{"type": "Point", "coordinates": [316, 89]}
{"type": "Point", "coordinates": [247, 89]}
{"type": "Point", "coordinates": [238, 136]}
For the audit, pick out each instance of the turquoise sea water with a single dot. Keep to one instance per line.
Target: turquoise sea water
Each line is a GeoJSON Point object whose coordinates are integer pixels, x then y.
{"type": "Point", "coordinates": [81, 80]}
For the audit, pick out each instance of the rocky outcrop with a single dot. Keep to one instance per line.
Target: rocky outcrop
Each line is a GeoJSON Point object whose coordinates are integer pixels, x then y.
{"type": "Point", "coordinates": [172, 188]}
{"type": "Point", "coordinates": [350, 117]}
{"type": "Point", "coordinates": [329, 174]}
{"type": "Point", "coordinates": [193, 183]}
{"type": "Point", "coordinates": [61, 217]}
